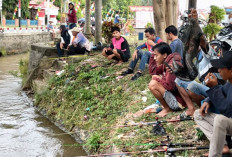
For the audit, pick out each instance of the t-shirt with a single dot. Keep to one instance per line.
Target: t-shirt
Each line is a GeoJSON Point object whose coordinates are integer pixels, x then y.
{"type": "Point", "coordinates": [116, 20]}
{"type": "Point", "coordinates": [177, 46]}
{"type": "Point", "coordinates": [82, 40]}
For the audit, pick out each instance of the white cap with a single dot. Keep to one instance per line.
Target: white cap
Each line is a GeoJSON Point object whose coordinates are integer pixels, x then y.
{"type": "Point", "coordinates": [75, 29]}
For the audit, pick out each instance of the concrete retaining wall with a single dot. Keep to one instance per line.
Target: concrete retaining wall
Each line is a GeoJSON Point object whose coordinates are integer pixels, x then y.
{"type": "Point", "coordinates": [20, 43]}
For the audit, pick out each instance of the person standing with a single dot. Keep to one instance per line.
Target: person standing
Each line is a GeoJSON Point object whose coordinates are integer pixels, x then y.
{"type": "Point", "coordinates": [117, 17]}
{"type": "Point", "coordinates": [72, 17]}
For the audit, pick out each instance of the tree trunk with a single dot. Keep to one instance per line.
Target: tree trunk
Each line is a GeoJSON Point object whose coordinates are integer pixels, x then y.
{"type": "Point", "coordinates": [87, 29]}
{"type": "Point", "coordinates": [98, 21]}
{"type": "Point", "coordinates": [175, 12]}
{"type": "Point", "coordinates": [159, 7]}
{"type": "Point", "coordinates": [169, 13]}
{"type": "Point", "coordinates": [192, 4]}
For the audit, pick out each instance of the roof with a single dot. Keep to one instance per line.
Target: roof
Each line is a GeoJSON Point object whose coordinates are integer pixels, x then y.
{"type": "Point", "coordinates": [141, 8]}
{"type": "Point", "coordinates": [42, 4]}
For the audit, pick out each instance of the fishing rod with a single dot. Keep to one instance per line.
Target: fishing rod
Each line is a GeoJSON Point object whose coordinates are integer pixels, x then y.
{"type": "Point", "coordinates": [155, 122]}
{"type": "Point", "coordinates": [170, 151]}
{"type": "Point", "coordinates": [76, 56]}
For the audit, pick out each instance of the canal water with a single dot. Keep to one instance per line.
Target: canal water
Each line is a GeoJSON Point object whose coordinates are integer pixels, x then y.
{"type": "Point", "coordinates": [24, 132]}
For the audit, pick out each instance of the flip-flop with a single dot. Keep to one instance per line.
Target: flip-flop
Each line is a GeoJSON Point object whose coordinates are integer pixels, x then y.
{"type": "Point", "coordinates": [182, 116]}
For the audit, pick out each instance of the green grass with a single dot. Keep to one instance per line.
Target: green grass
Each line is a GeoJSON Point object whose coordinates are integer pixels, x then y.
{"type": "Point", "coordinates": [109, 101]}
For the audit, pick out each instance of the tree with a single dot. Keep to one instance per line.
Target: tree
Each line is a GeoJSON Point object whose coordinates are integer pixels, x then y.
{"type": "Point", "coordinates": [165, 14]}
{"type": "Point", "coordinates": [98, 21]}
{"type": "Point", "coordinates": [25, 9]}
{"type": "Point", "coordinates": [216, 15]}
{"type": "Point", "coordinates": [8, 7]}
{"type": "Point", "coordinates": [87, 29]}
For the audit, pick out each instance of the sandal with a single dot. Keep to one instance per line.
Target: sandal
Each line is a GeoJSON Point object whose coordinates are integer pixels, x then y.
{"type": "Point", "coordinates": [182, 116]}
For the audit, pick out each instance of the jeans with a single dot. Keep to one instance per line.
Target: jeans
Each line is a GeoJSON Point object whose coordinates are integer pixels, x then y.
{"type": "Point", "coordinates": [193, 86]}
{"type": "Point", "coordinates": [144, 56]}
{"type": "Point", "coordinates": [59, 50]}
{"type": "Point", "coordinates": [72, 25]}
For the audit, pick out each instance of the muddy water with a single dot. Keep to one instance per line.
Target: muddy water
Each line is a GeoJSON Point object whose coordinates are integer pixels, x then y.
{"type": "Point", "coordinates": [23, 131]}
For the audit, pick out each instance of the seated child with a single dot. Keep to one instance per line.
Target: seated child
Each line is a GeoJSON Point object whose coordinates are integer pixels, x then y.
{"type": "Point", "coordinates": [119, 48]}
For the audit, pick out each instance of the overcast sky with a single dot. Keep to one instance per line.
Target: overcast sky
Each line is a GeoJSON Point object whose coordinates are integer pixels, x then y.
{"type": "Point", "coordinates": [205, 4]}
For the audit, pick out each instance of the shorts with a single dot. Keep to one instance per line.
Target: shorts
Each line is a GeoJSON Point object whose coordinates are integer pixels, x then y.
{"type": "Point", "coordinates": [193, 86]}
{"type": "Point", "coordinates": [171, 101]}
{"type": "Point", "coordinates": [122, 55]}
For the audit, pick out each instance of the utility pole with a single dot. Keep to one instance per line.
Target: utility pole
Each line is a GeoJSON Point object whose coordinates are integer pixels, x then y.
{"type": "Point", "coordinates": [192, 4]}
{"type": "Point", "coordinates": [19, 12]}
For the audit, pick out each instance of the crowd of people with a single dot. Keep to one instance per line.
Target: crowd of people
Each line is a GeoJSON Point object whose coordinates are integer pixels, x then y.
{"type": "Point", "coordinates": [212, 94]}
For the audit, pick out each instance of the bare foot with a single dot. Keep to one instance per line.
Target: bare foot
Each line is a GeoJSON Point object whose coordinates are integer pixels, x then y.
{"type": "Point", "coordinates": [119, 63]}
{"type": "Point", "coordinates": [138, 114]}
{"type": "Point", "coordinates": [190, 112]}
{"type": "Point", "coordinates": [225, 150]}
{"type": "Point", "coordinates": [164, 112]}
{"type": "Point", "coordinates": [110, 57]}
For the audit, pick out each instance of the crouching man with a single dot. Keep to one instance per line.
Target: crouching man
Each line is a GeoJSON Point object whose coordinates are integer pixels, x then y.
{"type": "Point", "coordinates": [217, 126]}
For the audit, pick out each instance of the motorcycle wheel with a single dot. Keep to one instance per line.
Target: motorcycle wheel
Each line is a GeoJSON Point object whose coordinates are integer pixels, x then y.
{"type": "Point", "coordinates": [217, 48]}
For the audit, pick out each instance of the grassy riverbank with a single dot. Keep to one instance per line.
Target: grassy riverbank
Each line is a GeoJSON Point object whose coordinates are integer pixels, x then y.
{"type": "Point", "coordinates": [90, 96]}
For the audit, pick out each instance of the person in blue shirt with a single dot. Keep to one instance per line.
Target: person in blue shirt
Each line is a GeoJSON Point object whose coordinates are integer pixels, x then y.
{"type": "Point", "coordinates": [117, 17]}
{"type": "Point", "coordinates": [152, 40]}
{"type": "Point", "coordinates": [217, 126]}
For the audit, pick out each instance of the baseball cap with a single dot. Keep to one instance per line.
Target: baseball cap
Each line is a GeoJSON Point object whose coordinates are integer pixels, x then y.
{"type": "Point", "coordinates": [75, 29]}
{"type": "Point", "coordinates": [225, 61]}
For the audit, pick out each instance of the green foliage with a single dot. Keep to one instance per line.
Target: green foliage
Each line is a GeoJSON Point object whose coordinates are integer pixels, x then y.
{"type": "Point", "coordinates": [106, 30]}
{"type": "Point", "coordinates": [200, 134]}
{"type": "Point", "coordinates": [25, 10]}
{"type": "Point", "coordinates": [218, 13]}
{"type": "Point", "coordinates": [211, 30]}
{"type": "Point", "coordinates": [149, 25]}
{"type": "Point", "coordinates": [8, 7]}
{"type": "Point", "coordinates": [23, 68]}
{"type": "Point", "coordinates": [131, 29]}
{"type": "Point", "coordinates": [3, 51]}
{"type": "Point", "coordinates": [93, 143]}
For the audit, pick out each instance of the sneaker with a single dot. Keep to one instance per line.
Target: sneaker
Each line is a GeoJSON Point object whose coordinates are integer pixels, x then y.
{"type": "Point", "coordinates": [136, 76]}
{"type": "Point", "coordinates": [128, 71]}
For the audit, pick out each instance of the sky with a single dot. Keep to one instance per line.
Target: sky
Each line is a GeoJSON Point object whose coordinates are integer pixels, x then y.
{"type": "Point", "coordinates": [205, 4]}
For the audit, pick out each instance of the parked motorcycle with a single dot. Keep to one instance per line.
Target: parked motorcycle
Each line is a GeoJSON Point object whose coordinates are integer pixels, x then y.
{"type": "Point", "coordinates": [223, 41]}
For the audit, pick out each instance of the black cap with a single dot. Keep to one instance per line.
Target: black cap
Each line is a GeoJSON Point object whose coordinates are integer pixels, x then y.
{"type": "Point", "coordinates": [225, 61]}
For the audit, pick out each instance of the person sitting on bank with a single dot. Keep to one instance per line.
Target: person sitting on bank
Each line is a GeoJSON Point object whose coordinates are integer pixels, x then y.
{"type": "Point", "coordinates": [217, 126]}
{"type": "Point", "coordinates": [51, 29]}
{"type": "Point", "coordinates": [80, 44]}
{"type": "Point", "coordinates": [119, 49]}
{"type": "Point", "coordinates": [152, 40]}
{"type": "Point", "coordinates": [163, 85]}
{"type": "Point", "coordinates": [66, 38]}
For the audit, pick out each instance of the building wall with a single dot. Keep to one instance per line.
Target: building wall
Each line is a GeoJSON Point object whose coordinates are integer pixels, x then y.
{"type": "Point", "coordinates": [20, 43]}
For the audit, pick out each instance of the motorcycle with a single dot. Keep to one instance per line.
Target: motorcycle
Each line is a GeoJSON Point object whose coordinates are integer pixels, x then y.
{"type": "Point", "coordinates": [223, 41]}
{"type": "Point", "coordinates": [81, 23]}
